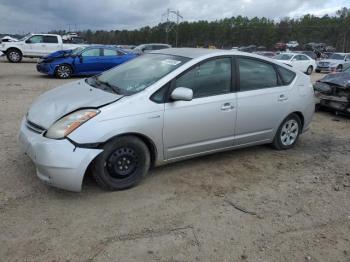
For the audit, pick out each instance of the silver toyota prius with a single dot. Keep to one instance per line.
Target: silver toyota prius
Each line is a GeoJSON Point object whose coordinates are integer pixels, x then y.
{"type": "Point", "coordinates": [165, 106]}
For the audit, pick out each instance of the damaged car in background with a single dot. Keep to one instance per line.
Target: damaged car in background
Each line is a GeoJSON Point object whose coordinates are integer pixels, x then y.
{"type": "Point", "coordinates": [333, 92]}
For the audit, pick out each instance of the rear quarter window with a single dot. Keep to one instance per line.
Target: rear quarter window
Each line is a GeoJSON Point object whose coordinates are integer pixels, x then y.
{"type": "Point", "coordinates": [286, 75]}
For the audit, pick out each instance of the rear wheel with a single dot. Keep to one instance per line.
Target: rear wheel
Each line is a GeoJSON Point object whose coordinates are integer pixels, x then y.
{"type": "Point", "coordinates": [309, 70]}
{"type": "Point", "coordinates": [14, 56]}
{"type": "Point", "coordinates": [288, 133]}
{"type": "Point", "coordinates": [123, 163]}
{"type": "Point", "coordinates": [318, 71]}
{"type": "Point", "coordinates": [64, 71]}
{"type": "Point", "coordinates": [339, 68]}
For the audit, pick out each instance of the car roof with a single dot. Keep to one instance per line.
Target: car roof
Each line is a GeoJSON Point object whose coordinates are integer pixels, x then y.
{"type": "Point", "coordinates": [192, 52]}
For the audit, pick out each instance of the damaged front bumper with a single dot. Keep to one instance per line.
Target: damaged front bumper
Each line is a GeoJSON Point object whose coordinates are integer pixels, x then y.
{"type": "Point", "coordinates": [337, 103]}
{"type": "Point", "coordinates": [58, 163]}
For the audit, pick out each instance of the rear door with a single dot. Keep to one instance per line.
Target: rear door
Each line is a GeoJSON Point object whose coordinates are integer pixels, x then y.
{"type": "Point", "coordinates": [90, 62]}
{"type": "Point", "coordinates": [299, 63]}
{"type": "Point", "coordinates": [262, 101]}
{"type": "Point", "coordinates": [111, 58]}
{"type": "Point", "coordinates": [50, 44]}
{"type": "Point", "coordinates": [207, 122]}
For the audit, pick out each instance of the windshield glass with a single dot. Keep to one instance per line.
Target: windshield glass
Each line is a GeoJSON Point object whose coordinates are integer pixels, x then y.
{"type": "Point", "coordinates": [139, 73]}
{"type": "Point", "coordinates": [77, 50]}
{"type": "Point", "coordinates": [283, 57]}
{"type": "Point", "coordinates": [24, 37]}
{"type": "Point", "coordinates": [337, 57]}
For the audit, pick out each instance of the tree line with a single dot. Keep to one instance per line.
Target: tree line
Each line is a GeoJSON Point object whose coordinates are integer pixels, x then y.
{"type": "Point", "coordinates": [235, 31]}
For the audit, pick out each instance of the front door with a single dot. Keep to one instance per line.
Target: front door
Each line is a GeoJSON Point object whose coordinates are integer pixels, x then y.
{"type": "Point", "coordinates": [89, 62]}
{"type": "Point", "coordinates": [207, 122]}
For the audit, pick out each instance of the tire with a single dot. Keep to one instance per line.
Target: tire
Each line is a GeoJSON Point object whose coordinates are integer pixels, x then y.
{"type": "Point", "coordinates": [309, 70]}
{"type": "Point", "coordinates": [63, 71]}
{"type": "Point", "coordinates": [288, 133]}
{"type": "Point", "coordinates": [339, 68]}
{"type": "Point", "coordinates": [14, 55]}
{"type": "Point", "coordinates": [122, 164]}
{"type": "Point", "coordinates": [318, 71]}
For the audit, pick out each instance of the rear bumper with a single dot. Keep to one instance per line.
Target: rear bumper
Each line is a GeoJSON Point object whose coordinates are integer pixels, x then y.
{"type": "Point", "coordinates": [58, 162]}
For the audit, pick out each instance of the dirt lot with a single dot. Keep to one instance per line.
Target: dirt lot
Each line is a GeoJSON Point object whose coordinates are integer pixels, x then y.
{"type": "Point", "coordinates": [298, 200]}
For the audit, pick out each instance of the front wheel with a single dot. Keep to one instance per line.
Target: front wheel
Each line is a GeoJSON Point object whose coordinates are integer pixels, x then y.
{"type": "Point", "coordinates": [122, 164]}
{"type": "Point", "coordinates": [14, 56]}
{"type": "Point", "coordinates": [288, 133]}
{"type": "Point", "coordinates": [63, 71]}
{"type": "Point", "coordinates": [309, 70]}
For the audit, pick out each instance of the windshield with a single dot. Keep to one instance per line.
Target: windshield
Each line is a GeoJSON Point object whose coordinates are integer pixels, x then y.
{"type": "Point", "coordinates": [337, 57]}
{"type": "Point", "coordinates": [24, 37]}
{"type": "Point", "coordinates": [283, 57]}
{"type": "Point", "coordinates": [77, 50]}
{"type": "Point", "coordinates": [139, 73]}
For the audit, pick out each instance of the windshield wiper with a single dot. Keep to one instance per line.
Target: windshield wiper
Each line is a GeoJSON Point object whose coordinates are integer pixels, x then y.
{"type": "Point", "coordinates": [110, 87]}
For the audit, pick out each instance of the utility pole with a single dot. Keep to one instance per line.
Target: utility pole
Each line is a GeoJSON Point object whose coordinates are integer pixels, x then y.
{"type": "Point", "coordinates": [168, 28]}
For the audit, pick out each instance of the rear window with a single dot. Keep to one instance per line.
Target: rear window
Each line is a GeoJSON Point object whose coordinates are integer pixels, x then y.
{"type": "Point", "coordinates": [50, 39]}
{"type": "Point", "coordinates": [286, 75]}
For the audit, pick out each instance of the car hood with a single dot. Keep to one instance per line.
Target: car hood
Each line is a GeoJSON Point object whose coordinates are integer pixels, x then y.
{"type": "Point", "coordinates": [56, 103]}
{"type": "Point", "coordinates": [340, 79]}
{"type": "Point", "coordinates": [58, 54]}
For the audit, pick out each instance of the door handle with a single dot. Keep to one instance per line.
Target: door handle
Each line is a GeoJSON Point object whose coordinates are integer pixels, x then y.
{"type": "Point", "coordinates": [227, 106]}
{"type": "Point", "coordinates": [282, 97]}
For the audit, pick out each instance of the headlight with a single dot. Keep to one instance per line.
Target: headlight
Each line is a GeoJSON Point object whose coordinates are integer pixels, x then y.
{"type": "Point", "coordinates": [66, 125]}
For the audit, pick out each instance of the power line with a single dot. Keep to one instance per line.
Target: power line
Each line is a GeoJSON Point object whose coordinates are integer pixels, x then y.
{"type": "Point", "coordinates": [169, 23]}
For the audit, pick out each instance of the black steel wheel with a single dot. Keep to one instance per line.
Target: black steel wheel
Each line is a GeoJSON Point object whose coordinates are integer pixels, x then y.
{"type": "Point", "coordinates": [122, 164]}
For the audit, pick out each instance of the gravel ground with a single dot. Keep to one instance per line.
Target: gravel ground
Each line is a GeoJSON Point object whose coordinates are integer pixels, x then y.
{"type": "Point", "coordinates": [254, 204]}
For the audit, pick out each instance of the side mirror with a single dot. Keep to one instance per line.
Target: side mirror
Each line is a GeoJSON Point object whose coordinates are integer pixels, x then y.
{"type": "Point", "coordinates": [80, 58]}
{"type": "Point", "coordinates": [28, 41]}
{"type": "Point", "coordinates": [182, 94]}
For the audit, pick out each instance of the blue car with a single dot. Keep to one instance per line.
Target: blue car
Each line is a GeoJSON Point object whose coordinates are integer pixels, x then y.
{"type": "Point", "coordinates": [89, 60]}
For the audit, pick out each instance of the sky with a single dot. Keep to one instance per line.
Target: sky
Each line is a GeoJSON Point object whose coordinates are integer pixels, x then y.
{"type": "Point", "coordinates": [22, 16]}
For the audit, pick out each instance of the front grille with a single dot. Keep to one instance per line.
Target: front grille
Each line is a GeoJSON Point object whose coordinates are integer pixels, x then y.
{"type": "Point", "coordinates": [323, 64]}
{"type": "Point", "coordinates": [34, 127]}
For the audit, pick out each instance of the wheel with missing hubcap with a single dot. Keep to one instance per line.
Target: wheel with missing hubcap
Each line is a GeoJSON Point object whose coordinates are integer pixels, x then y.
{"type": "Point", "coordinates": [309, 70]}
{"type": "Point", "coordinates": [122, 164]}
{"type": "Point", "coordinates": [63, 71]}
{"type": "Point", "coordinates": [288, 133]}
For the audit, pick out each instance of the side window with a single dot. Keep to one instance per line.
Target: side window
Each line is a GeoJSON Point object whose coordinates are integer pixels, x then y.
{"type": "Point", "coordinates": [159, 96]}
{"type": "Point", "coordinates": [91, 52]}
{"type": "Point", "coordinates": [208, 79]}
{"type": "Point", "coordinates": [148, 47]}
{"type": "Point", "coordinates": [303, 57]}
{"type": "Point", "coordinates": [297, 58]}
{"type": "Point", "coordinates": [110, 52]}
{"type": "Point", "coordinates": [51, 39]}
{"type": "Point", "coordinates": [255, 74]}
{"type": "Point", "coordinates": [287, 75]}
{"type": "Point", "coordinates": [36, 39]}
